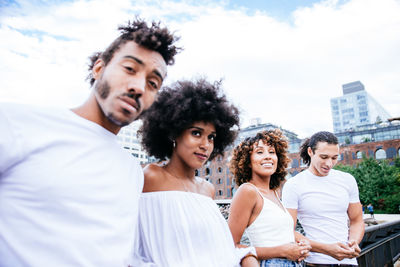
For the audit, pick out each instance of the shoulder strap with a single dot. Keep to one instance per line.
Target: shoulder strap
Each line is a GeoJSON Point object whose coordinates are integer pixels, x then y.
{"type": "Point", "coordinates": [255, 188]}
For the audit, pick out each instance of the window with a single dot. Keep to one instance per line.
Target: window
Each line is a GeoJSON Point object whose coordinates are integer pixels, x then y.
{"type": "Point", "coordinates": [219, 169]}
{"type": "Point", "coordinates": [348, 110]}
{"type": "Point", "coordinates": [219, 181]}
{"type": "Point", "coordinates": [359, 154]}
{"type": "Point", "coordinates": [220, 192]}
{"type": "Point", "coordinates": [380, 154]}
{"type": "Point", "coordinates": [295, 163]}
{"type": "Point", "coordinates": [364, 114]}
{"type": "Point", "coordinates": [207, 171]}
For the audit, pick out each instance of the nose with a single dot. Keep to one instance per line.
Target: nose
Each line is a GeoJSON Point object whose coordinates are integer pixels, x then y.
{"type": "Point", "coordinates": [137, 85]}
{"type": "Point", "coordinates": [329, 163]}
{"type": "Point", "coordinates": [205, 143]}
{"type": "Point", "coordinates": [267, 155]}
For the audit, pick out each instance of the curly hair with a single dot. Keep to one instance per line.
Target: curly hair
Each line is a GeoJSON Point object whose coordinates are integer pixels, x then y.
{"type": "Point", "coordinates": [313, 141]}
{"type": "Point", "coordinates": [178, 107]}
{"type": "Point", "coordinates": [154, 38]}
{"type": "Point", "coordinates": [240, 164]}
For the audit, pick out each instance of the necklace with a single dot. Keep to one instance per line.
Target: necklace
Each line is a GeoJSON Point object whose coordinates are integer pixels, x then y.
{"type": "Point", "coordinates": [181, 180]}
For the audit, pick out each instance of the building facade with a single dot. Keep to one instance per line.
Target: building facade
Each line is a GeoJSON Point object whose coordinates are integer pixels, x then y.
{"type": "Point", "coordinates": [128, 139]}
{"type": "Point", "coordinates": [355, 108]}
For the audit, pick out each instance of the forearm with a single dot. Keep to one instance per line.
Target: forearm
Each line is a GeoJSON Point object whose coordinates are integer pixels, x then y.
{"type": "Point", "coordinates": [319, 247]}
{"type": "Point", "coordinates": [356, 231]}
{"type": "Point", "coordinates": [264, 253]}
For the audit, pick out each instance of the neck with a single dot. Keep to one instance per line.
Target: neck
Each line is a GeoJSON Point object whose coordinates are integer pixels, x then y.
{"type": "Point", "coordinates": [179, 169]}
{"type": "Point", "coordinates": [261, 182]}
{"type": "Point", "coordinates": [91, 111]}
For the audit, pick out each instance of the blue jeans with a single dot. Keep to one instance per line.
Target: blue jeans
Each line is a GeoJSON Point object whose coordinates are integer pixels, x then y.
{"type": "Point", "coordinates": [279, 263]}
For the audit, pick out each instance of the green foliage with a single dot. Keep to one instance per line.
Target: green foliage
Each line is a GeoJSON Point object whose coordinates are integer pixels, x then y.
{"type": "Point", "coordinates": [347, 140]}
{"type": "Point", "coordinates": [378, 183]}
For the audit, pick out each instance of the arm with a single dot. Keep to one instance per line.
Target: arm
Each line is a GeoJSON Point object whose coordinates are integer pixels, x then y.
{"type": "Point", "coordinates": [241, 212]}
{"type": "Point", "coordinates": [357, 226]}
{"type": "Point", "coordinates": [241, 209]}
{"type": "Point", "coordinates": [337, 250]}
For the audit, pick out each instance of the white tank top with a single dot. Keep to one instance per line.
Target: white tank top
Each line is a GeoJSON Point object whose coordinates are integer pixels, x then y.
{"type": "Point", "coordinates": [272, 227]}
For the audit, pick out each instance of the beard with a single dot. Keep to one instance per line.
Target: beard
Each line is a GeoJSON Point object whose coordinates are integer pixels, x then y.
{"type": "Point", "coordinates": [103, 89]}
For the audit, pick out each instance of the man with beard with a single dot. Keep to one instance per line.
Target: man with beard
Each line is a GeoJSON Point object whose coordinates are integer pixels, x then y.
{"type": "Point", "coordinates": [68, 191]}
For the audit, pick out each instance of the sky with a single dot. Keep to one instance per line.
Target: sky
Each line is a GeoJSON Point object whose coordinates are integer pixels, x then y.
{"type": "Point", "coordinates": [280, 60]}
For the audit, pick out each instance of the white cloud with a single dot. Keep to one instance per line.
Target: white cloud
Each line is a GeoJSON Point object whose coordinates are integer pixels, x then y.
{"type": "Point", "coordinates": [282, 71]}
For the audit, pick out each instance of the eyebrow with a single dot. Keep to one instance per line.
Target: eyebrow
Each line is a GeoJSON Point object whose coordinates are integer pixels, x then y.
{"type": "Point", "coordinates": [199, 128]}
{"type": "Point", "coordinates": [140, 62]}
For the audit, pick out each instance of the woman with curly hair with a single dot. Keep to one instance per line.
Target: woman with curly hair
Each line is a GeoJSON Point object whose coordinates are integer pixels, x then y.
{"type": "Point", "coordinates": [180, 224]}
{"type": "Point", "coordinates": [259, 167]}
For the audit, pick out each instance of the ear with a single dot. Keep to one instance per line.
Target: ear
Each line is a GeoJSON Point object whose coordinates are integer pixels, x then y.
{"type": "Point", "coordinates": [98, 68]}
{"type": "Point", "coordinates": [309, 151]}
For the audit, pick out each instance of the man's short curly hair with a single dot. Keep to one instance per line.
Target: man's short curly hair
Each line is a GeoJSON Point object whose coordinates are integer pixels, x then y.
{"type": "Point", "coordinates": [240, 164]}
{"type": "Point", "coordinates": [178, 107]}
{"type": "Point", "coordinates": [154, 38]}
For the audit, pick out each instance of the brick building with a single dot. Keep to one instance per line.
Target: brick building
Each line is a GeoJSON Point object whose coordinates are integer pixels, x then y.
{"type": "Point", "coordinates": [351, 154]}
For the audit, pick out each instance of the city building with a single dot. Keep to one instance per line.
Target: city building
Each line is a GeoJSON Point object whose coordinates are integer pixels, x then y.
{"type": "Point", "coordinates": [380, 141]}
{"type": "Point", "coordinates": [128, 139]}
{"type": "Point", "coordinates": [256, 126]}
{"type": "Point", "coordinates": [355, 108]}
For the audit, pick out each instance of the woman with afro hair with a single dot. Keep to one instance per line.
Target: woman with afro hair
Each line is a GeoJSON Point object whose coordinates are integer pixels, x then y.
{"type": "Point", "coordinates": [259, 167]}
{"type": "Point", "coordinates": [180, 224]}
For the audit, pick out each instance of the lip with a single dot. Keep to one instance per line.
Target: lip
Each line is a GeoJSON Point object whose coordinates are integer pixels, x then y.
{"type": "Point", "coordinates": [272, 164]}
{"type": "Point", "coordinates": [131, 103]}
{"type": "Point", "coordinates": [325, 169]}
{"type": "Point", "coordinates": [201, 156]}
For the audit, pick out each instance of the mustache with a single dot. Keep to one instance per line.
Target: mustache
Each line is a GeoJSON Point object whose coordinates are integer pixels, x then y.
{"type": "Point", "coordinates": [135, 97]}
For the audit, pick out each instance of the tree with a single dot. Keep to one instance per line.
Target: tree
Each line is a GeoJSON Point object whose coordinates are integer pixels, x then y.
{"type": "Point", "coordinates": [378, 183]}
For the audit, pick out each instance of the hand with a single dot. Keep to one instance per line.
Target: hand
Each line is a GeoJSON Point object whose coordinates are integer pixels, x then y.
{"type": "Point", "coordinates": [354, 245]}
{"type": "Point", "coordinates": [307, 247]}
{"type": "Point", "coordinates": [297, 252]}
{"type": "Point", "coordinates": [341, 251]}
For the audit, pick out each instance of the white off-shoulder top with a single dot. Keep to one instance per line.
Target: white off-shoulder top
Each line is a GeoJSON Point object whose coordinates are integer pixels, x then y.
{"type": "Point", "coordinates": [185, 229]}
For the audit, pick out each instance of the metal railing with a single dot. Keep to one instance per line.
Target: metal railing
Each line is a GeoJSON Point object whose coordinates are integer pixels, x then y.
{"type": "Point", "coordinates": [380, 246]}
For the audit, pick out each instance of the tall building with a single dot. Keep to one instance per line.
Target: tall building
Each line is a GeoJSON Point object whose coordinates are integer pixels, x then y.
{"type": "Point", "coordinates": [127, 137]}
{"type": "Point", "coordinates": [256, 126]}
{"type": "Point", "coordinates": [355, 108]}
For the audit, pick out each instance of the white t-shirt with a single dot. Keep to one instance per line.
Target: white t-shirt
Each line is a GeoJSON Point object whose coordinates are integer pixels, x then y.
{"type": "Point", "coordinates": [68, 192]}
{"type": "Point", "coordinates": [182, 229]}
{"type": "Point", "coordinates": [322, 203]}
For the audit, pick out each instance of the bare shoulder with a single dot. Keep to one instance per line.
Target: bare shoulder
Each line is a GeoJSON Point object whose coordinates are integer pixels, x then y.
{"type": "Point", "coordinates": [247, 190]}
{"type": "Point", "coordinates": [207, 187]}
{"type": "Point", "coordinates": [153, 177]}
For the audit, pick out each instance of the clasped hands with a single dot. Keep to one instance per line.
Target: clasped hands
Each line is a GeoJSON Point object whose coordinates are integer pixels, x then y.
{"type": "Point", "coordinates": [340, 250]}
{"type": "Point", "coordinates": [299, 251]}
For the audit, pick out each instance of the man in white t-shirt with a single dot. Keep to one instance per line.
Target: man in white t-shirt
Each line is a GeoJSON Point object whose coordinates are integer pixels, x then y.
{"type": "Point", "coordinates": [327, 204]}
{"type": "Point", "coordinates": [68, 192]}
